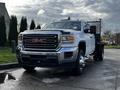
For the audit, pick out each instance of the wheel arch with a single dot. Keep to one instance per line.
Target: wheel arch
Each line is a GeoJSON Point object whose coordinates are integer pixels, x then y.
{"type": "Point", "coordinates": [82, 45]}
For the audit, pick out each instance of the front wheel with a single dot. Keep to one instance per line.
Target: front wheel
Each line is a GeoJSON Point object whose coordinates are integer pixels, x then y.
{"type": "Point", "coordinates": [29, 68]}
{"type": "Point", "coordinates": [79, 65]}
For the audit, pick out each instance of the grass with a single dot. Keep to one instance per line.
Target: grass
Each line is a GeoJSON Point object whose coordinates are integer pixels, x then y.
{"type": "Point", "coordinates": [6, 56]}
{"type": "Point", "coordinates": [112, 46]}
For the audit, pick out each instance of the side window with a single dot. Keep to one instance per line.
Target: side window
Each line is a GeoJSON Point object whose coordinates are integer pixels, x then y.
{"type": "Point", "coordinates": [93, 29]}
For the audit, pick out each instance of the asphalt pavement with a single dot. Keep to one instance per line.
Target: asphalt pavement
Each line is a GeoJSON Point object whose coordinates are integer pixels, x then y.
{"type": "Point", "coordinates": [97, 76]}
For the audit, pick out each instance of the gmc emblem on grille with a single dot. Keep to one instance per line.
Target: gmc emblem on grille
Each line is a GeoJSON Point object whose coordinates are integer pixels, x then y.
{"type": "Point", "coordinates": [36, 40]}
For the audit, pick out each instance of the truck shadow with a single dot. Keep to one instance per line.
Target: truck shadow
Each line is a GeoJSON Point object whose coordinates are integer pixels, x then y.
{"type": "Point", "coordinates": [6, 76]}
{"type": "Point", "coordinates": [91, 67]}
{"type": "Point", "coordinates": [95, 73]}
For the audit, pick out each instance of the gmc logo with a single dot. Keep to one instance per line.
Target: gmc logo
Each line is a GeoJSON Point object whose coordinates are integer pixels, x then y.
{"type": "Point", "coordinates": [36, 40]}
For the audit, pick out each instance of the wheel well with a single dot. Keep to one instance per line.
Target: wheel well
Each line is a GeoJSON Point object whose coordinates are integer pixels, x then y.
{"type": "Point", "coordinates": [82, 45]}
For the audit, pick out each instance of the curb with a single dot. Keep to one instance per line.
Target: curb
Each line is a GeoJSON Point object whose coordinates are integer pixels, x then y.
{"type": "Point", "coordinates": [9, 65]}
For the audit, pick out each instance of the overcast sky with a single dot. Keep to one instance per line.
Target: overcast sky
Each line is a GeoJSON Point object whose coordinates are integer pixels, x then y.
{"type": "Point", "coordinates": [44, 11]}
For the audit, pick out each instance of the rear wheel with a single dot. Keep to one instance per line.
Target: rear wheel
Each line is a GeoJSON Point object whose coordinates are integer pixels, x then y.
{"type": "Point", "coordinates": [99, 54]}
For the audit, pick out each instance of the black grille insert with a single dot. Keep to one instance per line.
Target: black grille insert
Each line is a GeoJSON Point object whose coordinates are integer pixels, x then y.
{"type": "Point", "coordinates": [40, 41]}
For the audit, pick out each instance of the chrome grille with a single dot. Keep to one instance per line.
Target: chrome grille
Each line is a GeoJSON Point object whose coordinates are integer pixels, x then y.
{"type": "Point", "coordinates": [40, 41]}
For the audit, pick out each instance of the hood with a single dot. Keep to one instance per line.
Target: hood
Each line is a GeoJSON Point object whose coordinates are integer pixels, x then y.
{"type": "Point", "coordinates": [50, 31]}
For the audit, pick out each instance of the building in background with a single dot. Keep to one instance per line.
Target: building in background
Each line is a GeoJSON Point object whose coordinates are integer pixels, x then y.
{"type": "Point", "coordinates": [117, 38]}
{"type": "Point", "coordinates": [3, 12]}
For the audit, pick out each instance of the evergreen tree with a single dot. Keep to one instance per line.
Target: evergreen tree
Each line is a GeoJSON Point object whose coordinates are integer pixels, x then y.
{"type": "Point", "coordinates": [69, 18]}
{"type": "Point", "coordinates": [38, 27]}
{"type": "Point", "coordinates": [13, 34]}
{"type": "Point", "coordinates": [2, 31]}
{"type": "Point", "coordinates": [32, 25]}
{"type": "Point", "coordinates": [23, 24]}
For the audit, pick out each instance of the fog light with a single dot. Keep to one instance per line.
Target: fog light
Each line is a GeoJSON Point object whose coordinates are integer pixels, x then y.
{"type": "Point", "coordinates": [68, 54]}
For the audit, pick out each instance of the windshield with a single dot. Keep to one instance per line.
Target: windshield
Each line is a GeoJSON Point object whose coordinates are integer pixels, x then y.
{"type": "Point", "coordinates": [65, 25]}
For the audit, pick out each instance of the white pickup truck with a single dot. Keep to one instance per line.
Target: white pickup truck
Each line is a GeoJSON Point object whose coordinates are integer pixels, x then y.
{"type": "Point", "coordinates": [65, 43]}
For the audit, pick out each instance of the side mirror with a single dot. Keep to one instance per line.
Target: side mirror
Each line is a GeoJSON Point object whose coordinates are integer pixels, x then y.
{"type": "Point", "coordinates": [87, 30]}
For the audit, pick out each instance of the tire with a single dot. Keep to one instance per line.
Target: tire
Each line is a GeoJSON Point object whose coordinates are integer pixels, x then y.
{"type": "Point", "coordinates": [29, 68]}
{"type": "Point", "coordinates": [78, 66]}
{"type": "Point", "coordinates": [99, 54]}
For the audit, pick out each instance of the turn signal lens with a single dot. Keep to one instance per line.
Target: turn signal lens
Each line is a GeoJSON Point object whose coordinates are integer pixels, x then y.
{"type": "Point", "coordinates": [68, 38]}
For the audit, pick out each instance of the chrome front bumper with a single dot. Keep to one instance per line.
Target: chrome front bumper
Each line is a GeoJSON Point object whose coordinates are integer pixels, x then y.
{"type": "Point", "coordinates": [60, 54]}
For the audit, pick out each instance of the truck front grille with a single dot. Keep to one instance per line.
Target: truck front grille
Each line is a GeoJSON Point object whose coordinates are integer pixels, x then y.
{"type": "Point", "coordinates": [40, 41]}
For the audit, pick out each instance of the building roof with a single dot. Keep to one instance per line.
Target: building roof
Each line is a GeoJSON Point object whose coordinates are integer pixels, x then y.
{"type": "Point", "coordinates": [3, 12]}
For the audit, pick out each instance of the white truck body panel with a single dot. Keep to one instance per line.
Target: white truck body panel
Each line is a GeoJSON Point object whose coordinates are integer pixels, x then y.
{"type": "Point", "coordinates": [63, 48]}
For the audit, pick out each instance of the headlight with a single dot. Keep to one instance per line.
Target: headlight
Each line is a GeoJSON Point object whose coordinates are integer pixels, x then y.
{"type": "Point", "coordinates": [20, 37]}
{"type": "Point", "coordinates": [68, 38]}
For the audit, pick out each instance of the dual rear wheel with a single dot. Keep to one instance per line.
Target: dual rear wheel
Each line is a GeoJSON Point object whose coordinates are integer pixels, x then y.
{"type": "Point", "coordinates": [99, 54]}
